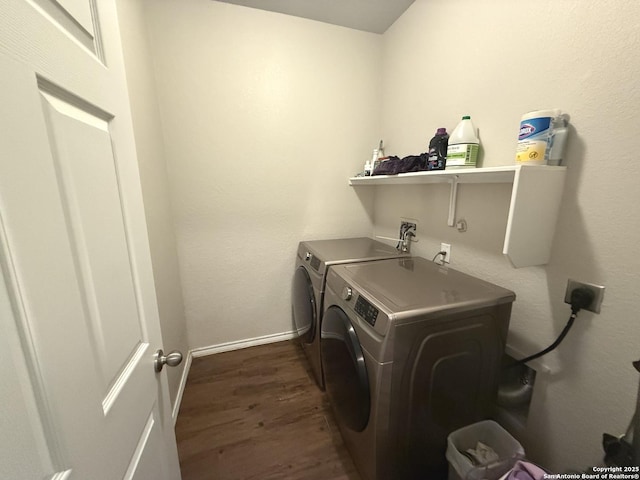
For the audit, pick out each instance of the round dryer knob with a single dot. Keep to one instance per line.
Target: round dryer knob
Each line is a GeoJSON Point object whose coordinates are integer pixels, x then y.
{"type": "Point", "coordinates": [307, 256]}
{"type": "Point", "coordinates": [347, 293]}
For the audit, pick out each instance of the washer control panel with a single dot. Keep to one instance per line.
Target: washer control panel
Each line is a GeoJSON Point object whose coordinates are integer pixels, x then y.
{"type": "Point", "coordinates": [366, 310]}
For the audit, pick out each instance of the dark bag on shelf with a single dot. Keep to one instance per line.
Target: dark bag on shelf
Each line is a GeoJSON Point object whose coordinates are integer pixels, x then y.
{"type": "Point", "coordinates": [394, 165]}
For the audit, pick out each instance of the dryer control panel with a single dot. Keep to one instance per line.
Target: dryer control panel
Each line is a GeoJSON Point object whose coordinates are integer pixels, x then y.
{"type": "Point", "coordinates": [315, 262]}
{"type": "Point", "coordinates": [366, 310]}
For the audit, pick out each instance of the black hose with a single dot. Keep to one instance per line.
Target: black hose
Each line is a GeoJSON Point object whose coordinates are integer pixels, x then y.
{"type": "Point", "coordinates": [551, 347]}
{"type": "Point", "coordinates": [580, 298]}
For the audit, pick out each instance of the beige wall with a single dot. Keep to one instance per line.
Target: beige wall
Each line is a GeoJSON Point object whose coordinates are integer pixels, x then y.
{"type": "Point", "coordinates": [265, 116]}
{"type": "Point", "coordinates": [495, 61]}
{"type": "Point", "coordinates": [154, 180]}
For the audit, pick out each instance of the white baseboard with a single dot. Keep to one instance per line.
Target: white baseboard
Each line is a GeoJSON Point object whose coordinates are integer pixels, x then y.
{"type": "Point", "coordinates": [220, 348]}
{"type": "Point", "coordinates": [183, 383]}
{"type": "Point", "coordinates": [238, 344]}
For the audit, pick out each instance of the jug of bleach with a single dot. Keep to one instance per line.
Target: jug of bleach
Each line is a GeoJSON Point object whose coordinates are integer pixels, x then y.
{"type": "Point", "coordinates": [464, 145]}
{"type": "Point", "coordinates": [542, 137]}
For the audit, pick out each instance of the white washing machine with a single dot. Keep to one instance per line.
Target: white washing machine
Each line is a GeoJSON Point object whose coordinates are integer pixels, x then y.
{"type": "Point", "coordinates": [411, 351]}
{"type": "Point", "coordinates": [312, 263]}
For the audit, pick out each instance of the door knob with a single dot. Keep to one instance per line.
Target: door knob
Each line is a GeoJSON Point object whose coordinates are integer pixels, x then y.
{"type": "Point", "coordinates": [172, 359]}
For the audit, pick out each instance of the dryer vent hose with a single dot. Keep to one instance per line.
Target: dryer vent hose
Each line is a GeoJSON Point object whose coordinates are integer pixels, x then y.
{"type": "Point", "coordinates": [516, 387]}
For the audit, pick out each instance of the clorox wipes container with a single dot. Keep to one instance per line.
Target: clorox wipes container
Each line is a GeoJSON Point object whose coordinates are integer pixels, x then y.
{"type": "Point", "coordinates": [542, 136]}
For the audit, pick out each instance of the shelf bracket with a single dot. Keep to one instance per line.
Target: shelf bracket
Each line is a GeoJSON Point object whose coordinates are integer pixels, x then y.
{"type": "Point", "coordinates": [453, 197]}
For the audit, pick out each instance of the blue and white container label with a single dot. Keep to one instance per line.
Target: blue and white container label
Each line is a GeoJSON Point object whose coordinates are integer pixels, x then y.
{"type": "Point", "coordinates": [534, 127]}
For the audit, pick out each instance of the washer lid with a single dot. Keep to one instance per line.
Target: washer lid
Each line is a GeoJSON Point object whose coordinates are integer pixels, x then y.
{"type": "Point", "coordinates": [412, 286]}
{"type": "Point", "coordinates": [345, 250]}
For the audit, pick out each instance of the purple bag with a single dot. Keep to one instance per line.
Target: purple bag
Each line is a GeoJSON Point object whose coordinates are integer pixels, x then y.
{"type": "Point", "coordinates": [525, 471]}
{"type": "Point", "coordinates": [394, 165]}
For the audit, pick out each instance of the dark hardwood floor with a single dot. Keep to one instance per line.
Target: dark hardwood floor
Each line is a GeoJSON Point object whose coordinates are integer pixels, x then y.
{"type": "Point", "coordinates": [257, 414]}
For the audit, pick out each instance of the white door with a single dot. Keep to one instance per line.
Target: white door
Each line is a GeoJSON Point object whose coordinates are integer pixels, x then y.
{"type": "Point", "coordinates": [79, 397]}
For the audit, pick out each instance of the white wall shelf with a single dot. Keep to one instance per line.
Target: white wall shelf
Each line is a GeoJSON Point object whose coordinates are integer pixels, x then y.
{"type": "Point", "coordinates": [533, 211]}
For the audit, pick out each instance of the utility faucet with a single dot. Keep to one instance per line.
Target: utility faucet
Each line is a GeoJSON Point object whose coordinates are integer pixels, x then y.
{"type": "Point", "coordinates": [406, 232]}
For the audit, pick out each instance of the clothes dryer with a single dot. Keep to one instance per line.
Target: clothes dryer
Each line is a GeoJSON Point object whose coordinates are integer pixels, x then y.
{"type": "Point", "coordinates": [411, 351]}
{"type": "Point", "coordinates": [312, 262]}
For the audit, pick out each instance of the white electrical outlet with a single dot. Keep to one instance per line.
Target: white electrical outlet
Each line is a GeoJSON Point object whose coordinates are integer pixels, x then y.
{"type": "Point", "coordinates": [446, 247]}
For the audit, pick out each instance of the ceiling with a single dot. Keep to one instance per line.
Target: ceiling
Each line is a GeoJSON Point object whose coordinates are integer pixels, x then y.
{"type": "Point", "coordinates": [369, 15]}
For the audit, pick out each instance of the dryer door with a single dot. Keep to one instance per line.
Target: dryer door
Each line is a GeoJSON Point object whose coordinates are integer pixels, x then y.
{"type": "Point", "coordinates": [345, 371]}
{"type": "Point", "coordinates": [304, 305]}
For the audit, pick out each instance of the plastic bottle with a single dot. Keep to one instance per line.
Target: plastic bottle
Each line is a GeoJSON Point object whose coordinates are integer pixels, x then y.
{"type": "Point", "coordinates": [368, 170]}
{"type": "Point", "coordinates": [555, 149]}
{"type": "Point", "coordinates": [375, 159]}
{"type": "Point", "coordinates": [464, 145]}
{"type": "Point", "coordinates": [438, 150]}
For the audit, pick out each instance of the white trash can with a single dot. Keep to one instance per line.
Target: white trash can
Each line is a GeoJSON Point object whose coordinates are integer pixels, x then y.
{"type": "Point", "coordinates": [508, 449]}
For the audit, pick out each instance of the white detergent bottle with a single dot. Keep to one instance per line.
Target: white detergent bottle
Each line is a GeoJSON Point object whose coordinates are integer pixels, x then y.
{"type": "Point", "coordinates": [464, 145]}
